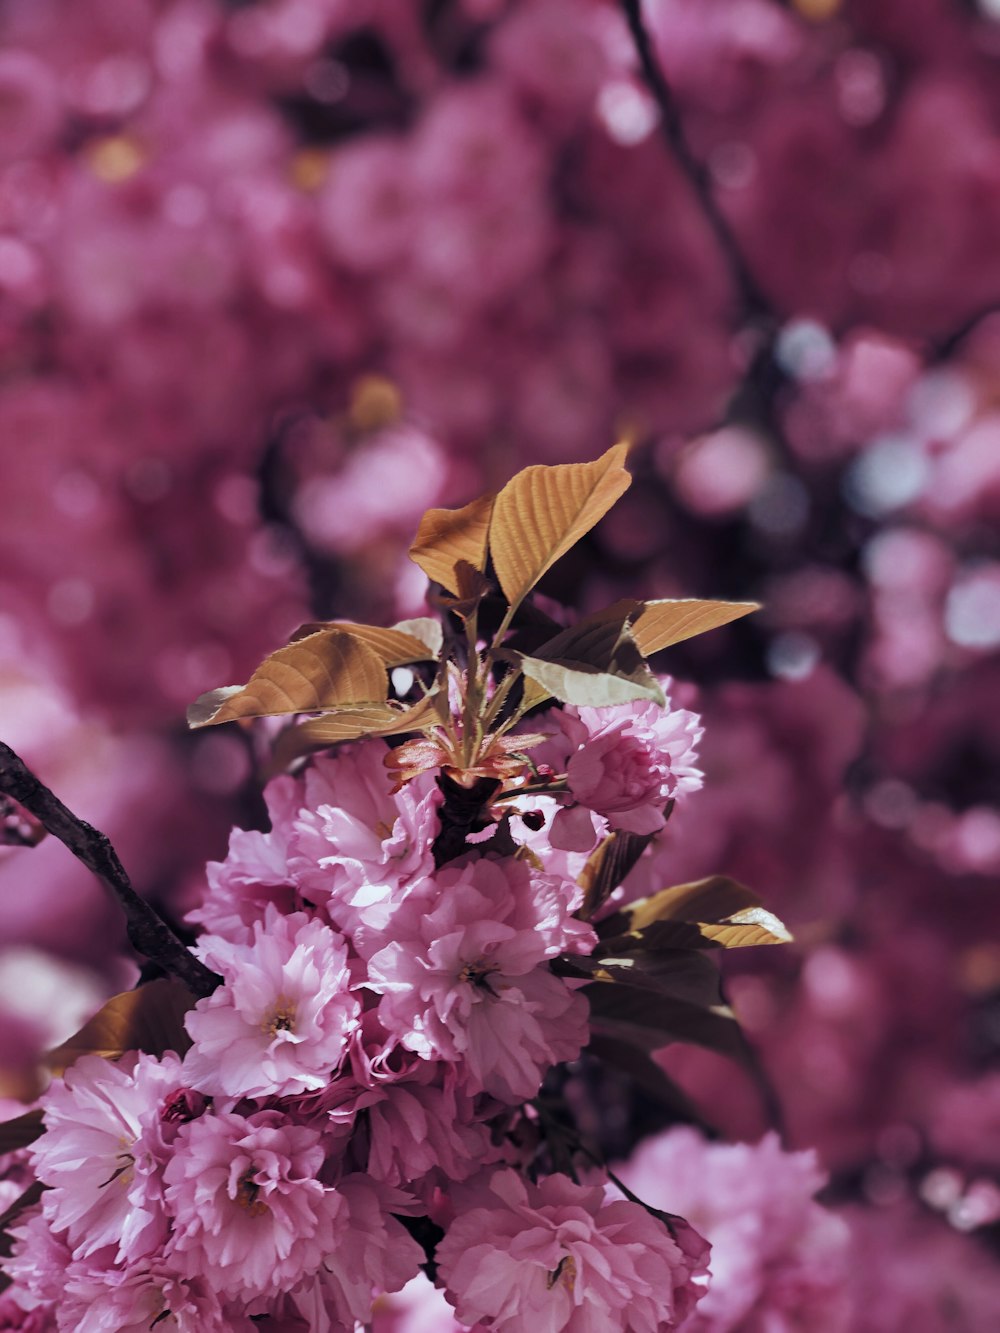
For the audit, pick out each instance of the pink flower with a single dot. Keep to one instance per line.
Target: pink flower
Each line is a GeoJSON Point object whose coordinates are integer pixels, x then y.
{"type": "Point", "coordinates": [38, 1263]}
{"type": "Point", "coordinates": [370, 1253]}
{"type": "Point", "coordinates": [557, 1256]}
{"type": "Point", "coordinates": [778, 1257]}
{"type": "Point", "coordinates": [139, 1297]}
{"type": "Point", "coordinates": [630, 759]}
{"type": "Point", "coordinates": [101, 1122]}
{"type": "Point", "coordinates": [463, 979]}
{"type": "Point", "coordinates": [281, 1022]}
{"type": "Point", "coordinates": [255, 872]}
{"type": "Point", "coordinates": [416, 1127]}
{"type": "Point", "coordinates": [359, 847]}
{"type": "Point", "coordinates": [249, 1213]}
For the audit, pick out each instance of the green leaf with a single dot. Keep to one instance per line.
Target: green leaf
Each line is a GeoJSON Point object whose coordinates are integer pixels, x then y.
{"type": "Point", "coordinates": [543, 511]}
{"type": "Point", "coordinates": [330, 669]}
{"type": "Point", "coordinates": [663, 623]}
{"type": "Point", "coordinates": [149, 1018]}
{"type": "Point", "coordinates": [448, 537]}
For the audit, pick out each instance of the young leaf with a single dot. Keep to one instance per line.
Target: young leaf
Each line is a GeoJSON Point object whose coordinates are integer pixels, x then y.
{"type": "Point", "coordinates": [543, 511]}
{"type": "Point", "coordinates": [21, 1131]}
{"type": "Point", "coordinates": [149, 1018]}
{"type": "Point", "coordinates": [447, 536]}
{"type": "Point", "coordinates": [396, 646]}
{"type": "Point", "coordinates": [716, 912]}
{"type": "Point", "coordinates": [662, 623]}
{"type": "Point", "coordinates": [349, 724]}
{"type": "Point", "coordinates": [588, 687]}
{"type": "Point", "coordinates": [330, 669]}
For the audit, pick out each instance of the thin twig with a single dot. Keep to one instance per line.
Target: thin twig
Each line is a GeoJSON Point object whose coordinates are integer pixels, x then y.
{"type": "Point", "coordinates": [756, 303]}
{"type": "Point", "coordinates": [148, 934]}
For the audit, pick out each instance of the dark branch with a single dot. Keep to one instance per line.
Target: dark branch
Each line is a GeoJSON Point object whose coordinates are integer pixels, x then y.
{"type": "Point", "coordinates": [752, 296]}
{"type": "Point", "coordinates": [147, 933]}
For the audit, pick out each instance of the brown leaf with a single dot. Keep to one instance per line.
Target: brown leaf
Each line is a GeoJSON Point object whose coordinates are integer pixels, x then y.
{"type": "Point", "coordinates": [592, 641]}
{"type": "Point", "coordinates": [471, 587]}
{"type": "Point", "coordinates": [349, 724]}
{"type": "Point", "coordinates": [330, 669]}
{"type": "Point", "coordinates": [711, 899]}
{"type": "Point", "coordinates": [653, 1021]}
{"type": "Point", "coordinates": [587, 687]}
{"type": "Point", "coordinates": [21, 1131]}
{"type": "Point", "coordinates": [543, 511]}
{"type": "Point", "coordinates": [679, 974]}
{"type": "Point", "coordinates": [428, 630]}
{"type": "Point", "coordinates": [648, 1076]}
{"type": "Point", "coordinates": [396, 647]}
{"type": "Point", "coordinates": [149, 1018]}
{"type": "Point", "coordinates": [608, 865]}
{"type": "Point", "coordinates": [662, 623]}
{"type": "Point", "coordinates": [709, 913]}
{"type": "Point", "coordinates": [447, 536]}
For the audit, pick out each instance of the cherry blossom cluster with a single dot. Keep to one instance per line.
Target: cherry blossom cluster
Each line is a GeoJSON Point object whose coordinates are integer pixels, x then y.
{"type": "Point", "coordinates": [366, 1070]}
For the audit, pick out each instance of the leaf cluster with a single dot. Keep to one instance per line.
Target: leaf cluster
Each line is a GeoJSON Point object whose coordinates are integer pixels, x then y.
{"type": "Point", "coordinates": [490, 553]}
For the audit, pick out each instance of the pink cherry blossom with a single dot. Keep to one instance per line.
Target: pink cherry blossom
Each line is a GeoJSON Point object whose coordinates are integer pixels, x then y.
{"type": "Point", "coordinates": [281, 1022]}
{"type": "Point", "coordinates": [560, 1256]}
{"type": "Point", "coordinates": [102, 1120]}
{"type": "Point", "coordinates": [464, 980]}
{"type": "Point", "coordinates": [777, 1256]}
{"type": "Point", "coordinates": [249, 1214]}
{"type": "Point", "coordinates": [628, 760]}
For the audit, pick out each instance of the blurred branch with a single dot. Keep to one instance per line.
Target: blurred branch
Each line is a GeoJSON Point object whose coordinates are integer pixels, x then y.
{"type": "Point", "coordinates": [946, 347]}
{"type": "Point", "coordinates": [752, 296]}
{"type": "Point", "coordinates": [147, 933]}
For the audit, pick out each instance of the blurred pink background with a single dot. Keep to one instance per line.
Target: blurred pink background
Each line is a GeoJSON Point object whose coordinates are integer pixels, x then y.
{"type": "Point", "coordinates": [277, 275]}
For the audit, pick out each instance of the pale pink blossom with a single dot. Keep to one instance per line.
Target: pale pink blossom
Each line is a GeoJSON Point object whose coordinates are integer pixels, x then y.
{"type": "Point", "coordinates": [255, 871]}
{"type": "Point", "coordinates": [778, 1258]}
{"type": "Point", "coordinates": [102, 1125]}
{"type": "Point", "coordinates": [628, 760]}
{"type": "Point", "coordinates": [358, 847]}
{"type": "Point", "coordinates": [138, 1297]}
{"type": "Point", "coordinates": [280, 1023]}
{"type": "Point", "coordinates": [370, 1253]}
{"type": "Point", "coordinates": [464, 979]}
{"type": "Point", "coordinates": [559, 1256]}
